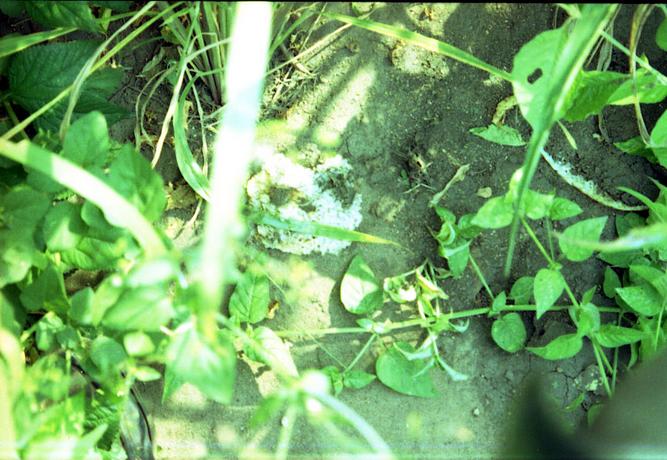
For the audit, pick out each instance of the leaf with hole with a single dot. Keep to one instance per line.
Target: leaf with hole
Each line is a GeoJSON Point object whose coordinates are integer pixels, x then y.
{"type": "Point", "coordinates": [410, 377]}
{"type": "Point", "coordinates": [360, 291]}
{"type": "Point", "coordinates": [509, 332]}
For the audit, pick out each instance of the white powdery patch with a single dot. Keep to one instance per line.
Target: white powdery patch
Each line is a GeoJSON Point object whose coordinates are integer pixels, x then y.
{"type": "Point", "coordinates": [303, 199]}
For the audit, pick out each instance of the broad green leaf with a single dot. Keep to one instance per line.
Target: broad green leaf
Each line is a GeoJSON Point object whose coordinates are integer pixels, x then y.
{"type": "Point", "coordinates": [659, 139]}
{"type": "Point", "coordinates": [612, 336]}
{"type": "Point", "coordinates": [357, 379]}
{"type": "Point", "coordinates": [656, 278]}
{"type": "Point", "coordinates": [138, 344]}
{"type": "Point", "coordinates": [107, 354]}
{"type": "Point", "coordinates": [636, 146]}
{"type": "Point", "coordinates": [250, 301]}
{"type": "Point", "coordinates": [547, 288]}
{"type": "Point", "coordinates": [12, 8]}
{"type": "Point", "coordinates": [509, 332]}
{"type": "Point", "coordinates": [63, 14]}
{"type": "Point", "coordinates": [87, 141]}
{"type": "Point", "coordinates": [46, 292]}
{"type": "Point", "coordinates": [46, 330]}
{"type": "Point", "coordinates": [562, 208]}
{"type": "Point", "coordinates": [145, 309]}
{"type": "Point", "coordinates": [11, 44]}
{"type": "Point", "coordinates": [360, 291]}
{"type": "Point", "coordinates": [131, 175]}
{"type": "Point", "coordinates": [121, 6]}
{"type": "Point", "coordinates": [522, 290]}
{"type": "Point", "coordinates": [209, 367]}
{"type": "Point", "coordinates": [23, 208]}
{"type": "Point", "coordinates": [499, 302]}
{"type": "Point", "coordinates": [563, 347]}
{"type": "Point", "coordinates": [336, 377]}
{"type": "Point", "coordinates": [649, 88]}
{"type": "Point", "coordinates": [495, 213]}
{"type": "Point", "coordinates": [588, 230]}
{"type": "Point", "coordinates": [400, 374]}
{"type": "Point", "coordinates": [611, 282]}
{"type": "Point", "coordinates": [40, 73]}
{"type": "Point", "coordinates": [537, 205]}
{"type": "Point", "coordinates": [17, 255]}
{"type": "Point", "coordinates": [63, 228]}
{"type": "Point", "coordinates": [661, 35]}
{"type": "Point", "coordinates": [626, 222]}
{"type": "Point", "coordinates": [274, 349]}
{"type": "Point", "coordinates": [82, 306]}
{"type": "Point", "coordinates": [457, 255]}
{"type": "Point", "coordinates": [643, 299]}
{"type": "Point", "coordinates": [503, 135]}
{"type": "Point", "coordinates": [587, 318]}
{"type": "Point", "coordinates": [591, 92]}
{"type": "Point", "coordinates": [95, 254]}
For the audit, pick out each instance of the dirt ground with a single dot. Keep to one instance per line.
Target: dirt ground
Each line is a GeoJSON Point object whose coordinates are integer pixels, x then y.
{"type": "Point", "coordinates": [403, 117]}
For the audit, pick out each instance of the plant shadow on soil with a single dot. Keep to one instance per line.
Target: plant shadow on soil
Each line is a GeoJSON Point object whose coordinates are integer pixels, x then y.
{"type": "Point", "coordinates": [390, 105]}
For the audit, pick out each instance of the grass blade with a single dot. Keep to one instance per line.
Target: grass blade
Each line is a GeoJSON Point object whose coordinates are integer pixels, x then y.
{"type": "Point", "coordinates": [313, 228]}
{"type": "Point", "coordinates": [427, 43]}
{"type": "Point", "coordinates": [11, 45]}
{"type": "Point", "coordinates": [116, 208]}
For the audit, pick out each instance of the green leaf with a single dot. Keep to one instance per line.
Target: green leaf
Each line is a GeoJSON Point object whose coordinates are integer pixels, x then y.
{"type": "Point", "coordinates": [591, 92]}
{"type": "Point", "coordinates": [563, 347]}
{"type": "Point", "coordinates": [661, 35]}
{"type": "Point", "coordinates": [63, 228]}
{"type": "Point", "coordinates": [503, 135]}
{"type": "Point", "coordinates": [47, 292]}
{"type": "Point", "coordinates": [587, 318]}
{"type": "Point", "coordinates": [69, 13]}
{"type": "Point", "coordinates": [495, 213]}
{"type": "Point", "coordinates": [457, 255]}
{"type": "Point", "coordinates": [17, 255]}
{"type": "Point", "coordinates": [87, 141]}
{"type": "Point", "coordinates": [46, 330]}
{"type": "Point", "coordinates": [611, 282]}
{"type": "Point", "coordinates": [636, 146]}
{"type": "Point", "coordinates": [95, 254]}
{"type": "Point", "coordinates": [273, 348]}
{"type": "Point", "coordinates": [612, 336]}
{"type": "Point", "coordinates": [643, 299]}
{"type": "Point", "coordinates": [400, 374]}
{"type": "Point", "coordinates": [107, 354]}
{"type": "Point", "coordinates": [11, 44]}
{"type": "Point", "coordinates": [562, 208]}
{"type": "Point", "coordinates": [138, 344]}
{"type": "Point", "coordinates": [537, 205]}
{"type": "Point", "coordinates": [659, 139]}
{"type": "Point", "coordinates": [121, 6]}
{"type": "Point", "coordinates": [547, 288]}
{"type": "Point", "coordinates": [23, 208]}
{"type": "Point", "coordinates": [250, 301]}
{"type": "Point", "coordinates": [146, 309]}
{"type": "Point", "coordinates": [40, 73]}
{"type": "Point", "coordinates": [587, 231]}
{"type": "Point", "coordinates": [649, 89]}
{"type": "Point", "coordinates": [656, 278]}
{"type": "Point", "coordinates": [82, 306]}
{"type": "Point", "coordinates": [357, 379]}
{"type": "Point", "coordinates": [360, 291]}
{"type": "Point", "coordinates": [509, 332]}
{"type": "Point", "coordinates": [131, 175]}
{"type": "Point", "coordinates": [211, 367]}
{"type": "Point", "coordinates": [522, 290]}
{"type": "Point", "coordinates": [336, 377]}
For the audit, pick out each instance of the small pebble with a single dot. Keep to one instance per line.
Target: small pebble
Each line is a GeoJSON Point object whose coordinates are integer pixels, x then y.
{"type": "Point", "coordinates": [476, 412]}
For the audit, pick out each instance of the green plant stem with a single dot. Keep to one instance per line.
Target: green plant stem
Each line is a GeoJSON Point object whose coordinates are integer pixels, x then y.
{"type": "Point", "coordinates": [480, 275]}
{"type": "Point", "coordinates": [361, 353]}
{"type": "Point", "coordinates": [287, 423]}
{"type": "Point", "coordinates": [551, 262]}
{"type": "Point", "coordinates": [605, 380]}
{"type": "Point", "coordinates": [425, 323]}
